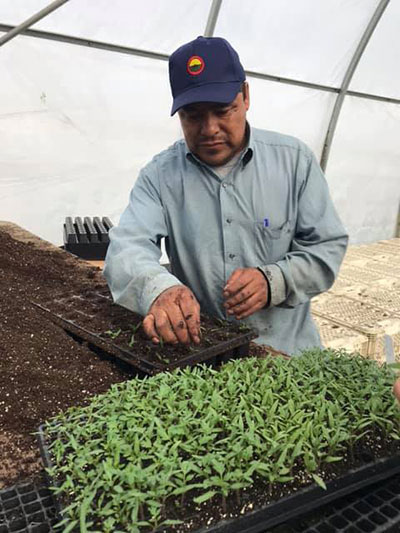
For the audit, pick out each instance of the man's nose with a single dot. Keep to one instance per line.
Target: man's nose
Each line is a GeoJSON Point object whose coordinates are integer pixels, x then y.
{"type": "Point", "coordinates": [209, 125]}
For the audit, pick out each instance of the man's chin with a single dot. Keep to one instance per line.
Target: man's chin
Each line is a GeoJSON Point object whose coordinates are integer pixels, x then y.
{"type": "Point", "coordinates": [214, 158]}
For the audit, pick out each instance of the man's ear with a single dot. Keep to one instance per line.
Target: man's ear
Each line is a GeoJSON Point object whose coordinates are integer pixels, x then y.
{"type": "Point", "coordinates": [246, 94]}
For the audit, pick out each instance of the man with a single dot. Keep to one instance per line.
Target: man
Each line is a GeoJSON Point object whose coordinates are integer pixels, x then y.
{"type": "Point", "coordinates": [250, 229]}
{"type": "Point", "coordinates": [396, 389]}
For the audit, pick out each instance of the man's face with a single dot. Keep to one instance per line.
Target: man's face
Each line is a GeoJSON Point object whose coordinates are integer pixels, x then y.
{"type": "Point", "coordinates": [216, 132]}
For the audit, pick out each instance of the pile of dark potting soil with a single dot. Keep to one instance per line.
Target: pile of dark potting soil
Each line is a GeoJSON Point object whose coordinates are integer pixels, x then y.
{"type": "Point", "coordinates": [42, 369]}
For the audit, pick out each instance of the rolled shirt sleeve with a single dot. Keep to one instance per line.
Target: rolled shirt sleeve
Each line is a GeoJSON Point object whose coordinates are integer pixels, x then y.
{"type": "Point", "coordinates": [276, 284]}
{"type": "Point", "coordinates": [132, 267]}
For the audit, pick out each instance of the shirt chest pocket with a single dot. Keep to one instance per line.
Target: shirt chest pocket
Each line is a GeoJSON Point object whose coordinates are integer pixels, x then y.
{"type": "Point", "coordinates": [272, 242]}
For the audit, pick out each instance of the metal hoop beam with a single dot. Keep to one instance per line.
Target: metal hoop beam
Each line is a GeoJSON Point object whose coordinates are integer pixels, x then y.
{"type": "Point", "coordinates": [347, 79]}
{"type": "Point", "coordinates": [319, 87]}
{"type": "Point", "coordinates": [212, 18]}
{"type": "Point", "coordinates": [31, 20]}
{"type": "Point", "coordinates": [59, 37]}
{"type": "Point", "coordinates": [68, 39]}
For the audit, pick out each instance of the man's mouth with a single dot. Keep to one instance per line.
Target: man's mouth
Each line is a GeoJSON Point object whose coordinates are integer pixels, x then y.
{"type": "Point", "coordinates": [211, 144]}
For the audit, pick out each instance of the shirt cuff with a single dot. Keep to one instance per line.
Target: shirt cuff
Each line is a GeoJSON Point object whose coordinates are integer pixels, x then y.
{"type": "Point", "coordinates": [155, 287]}
{"type": "Point", "coordinates": [276, 282]}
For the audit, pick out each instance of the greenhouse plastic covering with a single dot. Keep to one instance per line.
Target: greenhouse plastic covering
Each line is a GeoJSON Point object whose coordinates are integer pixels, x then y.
{"type": "Point", "coordinates": [78, 122]}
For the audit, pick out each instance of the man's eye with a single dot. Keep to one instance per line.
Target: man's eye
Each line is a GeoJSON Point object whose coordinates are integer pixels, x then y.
{"type": "Point", "coordinates": [223, 111]}
{"type": "Point", "coordinates": [192, 116]}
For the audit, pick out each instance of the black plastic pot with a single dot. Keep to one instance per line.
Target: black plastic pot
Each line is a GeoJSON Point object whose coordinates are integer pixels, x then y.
{"type": "Point", "coordinates": [300, 502]}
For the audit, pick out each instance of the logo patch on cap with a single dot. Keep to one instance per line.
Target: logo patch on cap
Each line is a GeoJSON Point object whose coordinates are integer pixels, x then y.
{"type": "Point", "coordinates": [195, 65]}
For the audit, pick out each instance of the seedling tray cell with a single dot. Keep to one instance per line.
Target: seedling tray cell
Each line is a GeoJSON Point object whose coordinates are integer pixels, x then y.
{"type": "Point", "coordinates": [27, 507]}
{"type": "Point", "coordinates": [94, 318]}
{"type": "Point", "coordinates": [309, 499]}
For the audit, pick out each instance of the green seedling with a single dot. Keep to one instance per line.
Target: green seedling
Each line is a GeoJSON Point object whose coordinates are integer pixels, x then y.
{"type": "Point", "coordinates": [199, 435]}
{"type": "Point", "coordinates": [222, 322]}
{"type": "Point", "coordinates": [395, 367]}
{"type": "Point", "coordinates": [134, 328]}
{"type": "Point", "coordinates": [132, 341]}
{"type": "Point", "coordinates": [113, 334]}
{"type": "Point", "coordinates": [164, 360]}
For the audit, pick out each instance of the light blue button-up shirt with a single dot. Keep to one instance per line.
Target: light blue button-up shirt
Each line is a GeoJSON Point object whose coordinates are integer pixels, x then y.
{"type": "Point", "coordinates": [272, 211]}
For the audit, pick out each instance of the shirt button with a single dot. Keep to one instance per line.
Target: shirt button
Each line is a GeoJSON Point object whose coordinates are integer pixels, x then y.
{"type": "Point", "coordinates": [231, 256]}
{"type": "Point", "coordinates": [229, 220]}
{"type": "Point", "coordinates": [224, 185]}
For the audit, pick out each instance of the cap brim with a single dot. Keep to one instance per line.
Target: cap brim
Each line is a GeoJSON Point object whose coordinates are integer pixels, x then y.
{"type": "Point", "coordinates": [221, 93]}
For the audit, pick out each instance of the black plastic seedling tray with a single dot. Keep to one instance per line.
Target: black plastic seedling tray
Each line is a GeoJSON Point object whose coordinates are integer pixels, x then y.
{"type": "Point", "coordinates": [87, 238]}
{"type": "Point", "coordinates": [73, 314]}
{"type": "Point", "coordinates": [308, 499]}
{"type": "Point", "coordinates": [294, 505]}
{"type": "Point", "coordinates": [372, 509]}
{"type": "Point", "coordinates": [27, 507]}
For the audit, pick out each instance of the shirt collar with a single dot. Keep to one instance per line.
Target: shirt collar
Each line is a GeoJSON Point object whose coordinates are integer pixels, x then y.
{"type": "Point", "coordinates": [245, 158]}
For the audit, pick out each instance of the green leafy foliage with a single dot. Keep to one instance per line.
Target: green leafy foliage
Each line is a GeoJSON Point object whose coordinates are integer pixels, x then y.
{"type": "Point", "coordinates": [113, 334]}
{"type": "Point", "coordinates": [197, 435]}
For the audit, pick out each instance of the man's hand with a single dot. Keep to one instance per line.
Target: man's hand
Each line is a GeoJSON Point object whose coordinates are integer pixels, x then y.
{"type": "Point", "coordinates": [245, 292]}
{"type": "Point", "coordinates": [174, 317]}
{"type": "Point", "coordinates": [396, 389]}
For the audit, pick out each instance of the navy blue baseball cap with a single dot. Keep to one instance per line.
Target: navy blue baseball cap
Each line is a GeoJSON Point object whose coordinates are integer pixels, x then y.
{"type": "Point", "coordinates": [207, 69]}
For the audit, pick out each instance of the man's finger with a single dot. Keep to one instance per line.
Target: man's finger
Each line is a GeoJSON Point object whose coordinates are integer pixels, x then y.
{"type": "Point", "coordinates": [248, 311]}
{"type": "Point", "coordinates": [240, 296]}
{"type": "Point", "coordinates": [245, 305]}
{"type": "Point", "coordinates": [149, 328]}
{"type": "Point", "coordinates": [184, 305]}
{"type": "Point", "coordinates": [164, 327]}
{"type": "Point", "coordinates": [191, 313]}
{"type": "Point", "coordinates": [176, 316]}
{"type": "Point", "coordinates": [234, 282]}
{"type": "Point", "coordinates": [236, 274]}
{"type": "Point", "coordinates": [179, 325]}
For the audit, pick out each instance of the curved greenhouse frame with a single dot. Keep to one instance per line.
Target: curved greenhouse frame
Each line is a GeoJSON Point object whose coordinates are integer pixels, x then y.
{"type": "Point", "coordinates": [85, 98]}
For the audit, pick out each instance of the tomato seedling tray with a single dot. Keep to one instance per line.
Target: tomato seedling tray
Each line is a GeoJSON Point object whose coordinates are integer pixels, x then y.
{"type": "Point", "coordinates": [89, 317]}
{"type": "Point", "coordinates": [30, 506]}
{"type": "Point", "coordinates": [289, 507]}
